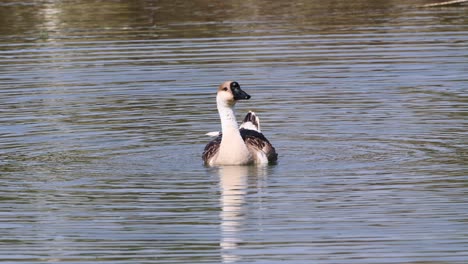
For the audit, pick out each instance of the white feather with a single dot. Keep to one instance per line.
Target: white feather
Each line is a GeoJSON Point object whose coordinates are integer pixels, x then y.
{"type": "Point", "coordinates": [250, 125]}
{"type": "Point", "coordinates": [213, 134]}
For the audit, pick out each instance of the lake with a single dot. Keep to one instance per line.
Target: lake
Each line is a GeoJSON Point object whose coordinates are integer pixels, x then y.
{"type": "Point", "coordinates": [104, 106]}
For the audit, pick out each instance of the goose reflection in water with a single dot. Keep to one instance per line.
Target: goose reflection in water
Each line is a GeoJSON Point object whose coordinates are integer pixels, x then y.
{"type": "Point", "coordinates": [234, 185]}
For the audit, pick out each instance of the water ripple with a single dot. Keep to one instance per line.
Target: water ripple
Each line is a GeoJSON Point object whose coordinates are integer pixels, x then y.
{"type": "Point", "coordinates": [102, 123]}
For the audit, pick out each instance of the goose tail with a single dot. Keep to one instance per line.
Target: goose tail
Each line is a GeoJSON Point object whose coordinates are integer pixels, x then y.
{"type": "Point", "coordinates": [251, 122]}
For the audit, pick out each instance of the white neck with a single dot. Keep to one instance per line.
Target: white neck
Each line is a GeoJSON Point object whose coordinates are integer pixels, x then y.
{"type": "Point", "coordinates": [228, 117]}
{"type": "Point", "coordinates": [232, 149]}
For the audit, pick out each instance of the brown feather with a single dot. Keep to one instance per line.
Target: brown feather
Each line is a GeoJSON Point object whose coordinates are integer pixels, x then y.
{"type": "Point", "coordinates": [256, 141]}
{"type": "Point", "coordinates": [211, 149]}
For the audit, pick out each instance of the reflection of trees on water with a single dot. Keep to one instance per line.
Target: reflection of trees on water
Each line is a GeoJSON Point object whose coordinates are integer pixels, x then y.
{"type": "Point", "coordinates": [445, 3]}
{"type": "Point", "coordinates": [200, 18]}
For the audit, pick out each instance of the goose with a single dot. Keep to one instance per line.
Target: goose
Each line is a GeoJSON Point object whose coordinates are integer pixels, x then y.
{"type": "Point", "coordinates": [236, 145]}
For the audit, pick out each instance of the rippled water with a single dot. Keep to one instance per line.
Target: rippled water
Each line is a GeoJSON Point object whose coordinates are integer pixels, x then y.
{"type": "Point", "coordinates": [104, 106]}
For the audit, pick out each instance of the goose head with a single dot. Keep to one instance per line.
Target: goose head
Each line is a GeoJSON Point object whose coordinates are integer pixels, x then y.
{"type": "Point", "coordinates": [230, 92]}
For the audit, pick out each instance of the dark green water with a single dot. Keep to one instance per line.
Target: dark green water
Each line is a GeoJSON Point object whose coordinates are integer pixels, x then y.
{"type": "Point", "coordinates": [104, 106]}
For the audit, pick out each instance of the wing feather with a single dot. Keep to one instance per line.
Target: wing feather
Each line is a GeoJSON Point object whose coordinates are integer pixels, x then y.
{"type": "Point", "coordinates": [256, 141]}
{"type": "Point", "coordinates": [211, 149]}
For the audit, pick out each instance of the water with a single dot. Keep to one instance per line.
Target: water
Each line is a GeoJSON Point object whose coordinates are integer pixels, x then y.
{"type": "Point", "coordinates": [104, 106]}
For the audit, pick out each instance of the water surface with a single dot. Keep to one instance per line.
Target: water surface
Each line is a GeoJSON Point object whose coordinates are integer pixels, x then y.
{"type": "Point", "coordinates": [104, 106]}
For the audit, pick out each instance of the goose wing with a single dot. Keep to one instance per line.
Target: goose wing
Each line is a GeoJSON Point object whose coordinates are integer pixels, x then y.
{"type": "Point", "coordinates": [211, 149]}
{"type": "Point", "coordinates": [257, 142]}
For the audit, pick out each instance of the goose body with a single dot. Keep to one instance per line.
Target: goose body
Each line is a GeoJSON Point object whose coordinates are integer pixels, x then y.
{"type": "Point", "coordinates": [237, 145]}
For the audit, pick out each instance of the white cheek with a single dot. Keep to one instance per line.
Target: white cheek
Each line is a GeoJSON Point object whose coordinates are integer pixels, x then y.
{"type": "Point", "coordinates": [228, 96]}
{"type": "Point", "coordinates": [225, 96]}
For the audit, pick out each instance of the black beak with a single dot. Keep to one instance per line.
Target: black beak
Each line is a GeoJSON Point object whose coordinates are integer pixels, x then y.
{"type": "Point", "coordinates": [238, 93]}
